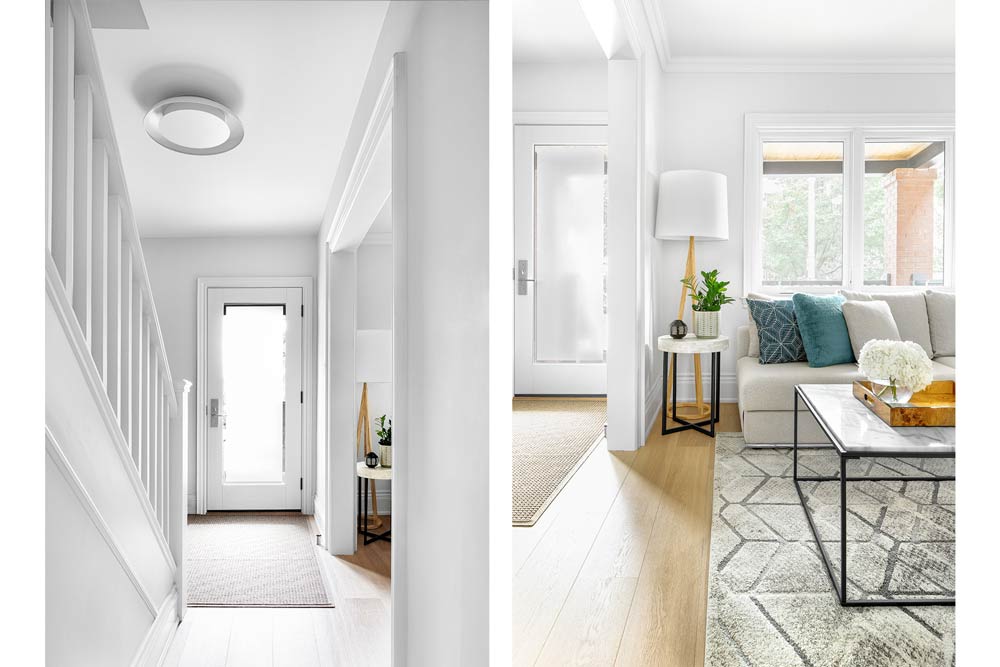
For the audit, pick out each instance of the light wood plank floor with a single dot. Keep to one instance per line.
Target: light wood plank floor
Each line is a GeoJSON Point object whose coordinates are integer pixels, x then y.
{"type": "Point", "coordinates": [616, 570]}
{"type": "Point", "coordinates": [355, 632]}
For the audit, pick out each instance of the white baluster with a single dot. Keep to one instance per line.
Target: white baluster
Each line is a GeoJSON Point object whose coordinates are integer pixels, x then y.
{"type": "Point", "coordinates": [99, 260]}
{"type": "Point", "coordinates": [83, 208]}
{"type": "Point", "coordinates": [137, 348]}
{"type": "Point", "coordinates": [63, 115]}
{"type": "Point", "coordinates": [154, 432]}
{"type": "Point", "coordinates": [114, 306]}
{"type": "Point", "coordinates": [127, 287]}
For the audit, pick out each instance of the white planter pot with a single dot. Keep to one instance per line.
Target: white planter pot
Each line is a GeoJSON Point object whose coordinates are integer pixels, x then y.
{"type": "Point", "coordinates": [706, 324]}
{"type": "Point", "coordinates": [385, 456]}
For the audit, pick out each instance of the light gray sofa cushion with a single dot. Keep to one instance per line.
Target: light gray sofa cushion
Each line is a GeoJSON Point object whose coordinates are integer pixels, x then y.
{"type": "Point", "coordinates": [868, 320]}
{"type": "Point", "coordinates": [909, 310]}
{"type": "Point", "coordinates": [941, 317]}
{"type": "Point", "coordinates": [945, 361]}
{"type": "Point", "coordinates": [770, 386]}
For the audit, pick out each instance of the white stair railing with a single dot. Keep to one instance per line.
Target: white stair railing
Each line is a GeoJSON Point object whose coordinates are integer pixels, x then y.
{"type": "Point", "coordinates": [95, 255]}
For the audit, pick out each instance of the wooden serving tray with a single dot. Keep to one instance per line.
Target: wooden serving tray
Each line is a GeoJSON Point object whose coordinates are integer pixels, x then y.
{"type": "Point", "coordinates": [934, 406]}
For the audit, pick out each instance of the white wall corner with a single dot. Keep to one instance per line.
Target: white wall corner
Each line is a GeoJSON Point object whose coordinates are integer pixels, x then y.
{"type": "Point", "coordinates": [654, 395]}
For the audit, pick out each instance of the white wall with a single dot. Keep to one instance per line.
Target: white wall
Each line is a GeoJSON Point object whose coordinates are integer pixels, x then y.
{"type": "Point", "coordinates": [702, 119]}
{"type": "Point", "coordinates": [560, 87]}
{"type": "Point", "coordinates": [444, 556]}
{"type": "Point", "coordinates": [174, 266]}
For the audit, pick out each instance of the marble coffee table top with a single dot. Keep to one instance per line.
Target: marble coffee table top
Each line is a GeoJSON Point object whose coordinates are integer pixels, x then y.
{"type": "Point", "coordinates": [691, 344]}
{"type": "Point", "coordinates": [854, 429]}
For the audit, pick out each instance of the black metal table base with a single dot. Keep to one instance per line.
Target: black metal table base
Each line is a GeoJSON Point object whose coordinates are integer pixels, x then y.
{"type": "Point", "coordinates": [685, 424]}
{"type": "Point", "coordinates": [363, 519]}
{"type": "Point", "coordinates": [840, 587]}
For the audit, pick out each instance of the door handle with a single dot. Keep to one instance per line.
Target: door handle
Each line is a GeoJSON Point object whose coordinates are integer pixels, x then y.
{"type": "Point", "coordinates": [522, 277]}
{"type": "Point", "coordinates": [214, 414]}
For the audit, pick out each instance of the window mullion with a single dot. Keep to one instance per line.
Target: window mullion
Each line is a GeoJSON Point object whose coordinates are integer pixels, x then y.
{"type": "Point", "coordinates": [854, 210]}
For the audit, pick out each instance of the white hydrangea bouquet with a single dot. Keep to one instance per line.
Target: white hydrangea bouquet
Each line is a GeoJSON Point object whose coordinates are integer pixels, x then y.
{"type": "Point", "coordinates": [900, 366]}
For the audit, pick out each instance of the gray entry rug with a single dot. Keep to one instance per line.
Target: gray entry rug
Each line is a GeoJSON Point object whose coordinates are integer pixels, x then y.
{"type": "Point", "coordinates": [770, 602]}
{"type": "Point", "coordinates": [252, 559]}
{"type": "Point", "coordinates": [551, 439]}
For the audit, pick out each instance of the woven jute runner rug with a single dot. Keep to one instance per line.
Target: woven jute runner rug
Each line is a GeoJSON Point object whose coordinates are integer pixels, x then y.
{"type": "Point", "coordinates": [253, 559]}
{"type": "Point", "coordinates": [551, 439]}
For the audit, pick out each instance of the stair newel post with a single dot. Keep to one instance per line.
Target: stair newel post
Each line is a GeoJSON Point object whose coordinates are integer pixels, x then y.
{"type": "Point", "coordinates": [178, 489]}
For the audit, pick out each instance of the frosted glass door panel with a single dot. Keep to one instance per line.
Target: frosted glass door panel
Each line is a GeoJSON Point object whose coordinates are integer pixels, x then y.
{"type": "Point", "coordinates": [253, 381]}
{"type": "Point", "coordinates": [570, 232]}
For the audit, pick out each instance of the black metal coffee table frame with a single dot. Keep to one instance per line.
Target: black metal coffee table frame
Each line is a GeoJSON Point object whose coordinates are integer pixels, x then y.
{"type": "Point", "coordinates": [840, 588]}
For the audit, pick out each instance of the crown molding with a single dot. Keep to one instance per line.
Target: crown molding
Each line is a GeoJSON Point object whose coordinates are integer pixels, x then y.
{"type": "Point", "coordinates": [658, 31]}
{"type": "Point", "coordinates": [811, 65]}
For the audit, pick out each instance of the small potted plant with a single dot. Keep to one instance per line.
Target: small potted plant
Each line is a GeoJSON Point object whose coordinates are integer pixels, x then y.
{"type": "Point", "coordinates": [384, 433]}
{"type": "Point", "coordinates": [707, 298]}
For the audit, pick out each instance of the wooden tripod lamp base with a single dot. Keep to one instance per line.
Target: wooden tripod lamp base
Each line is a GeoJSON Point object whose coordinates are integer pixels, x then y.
{"type": "Point", "coordinates": [698, 409]}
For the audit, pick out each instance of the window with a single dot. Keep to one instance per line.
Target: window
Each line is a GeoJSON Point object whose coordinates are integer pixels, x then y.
{"type": "Point", "coordinates": [862, 202]}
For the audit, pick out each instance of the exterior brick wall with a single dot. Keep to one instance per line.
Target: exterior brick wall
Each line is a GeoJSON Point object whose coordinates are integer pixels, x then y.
{"type": "Point", "coordinates": [909, 225]}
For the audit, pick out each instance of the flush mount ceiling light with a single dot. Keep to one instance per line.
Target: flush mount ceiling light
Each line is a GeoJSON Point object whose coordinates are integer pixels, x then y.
{"type": "Point", "coordinates": [194, 125]}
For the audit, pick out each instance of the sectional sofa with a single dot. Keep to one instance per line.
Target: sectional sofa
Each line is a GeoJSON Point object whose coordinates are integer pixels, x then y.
{"type": "Point", "coordinates": [766, 397]}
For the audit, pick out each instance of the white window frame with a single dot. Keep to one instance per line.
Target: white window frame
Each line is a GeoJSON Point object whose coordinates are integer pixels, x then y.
{"type": "Point", "coordinates": [853, 130]}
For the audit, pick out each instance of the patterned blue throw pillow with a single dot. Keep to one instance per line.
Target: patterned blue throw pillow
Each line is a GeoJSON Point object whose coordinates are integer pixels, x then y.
{"type": "Point", "coordinates": [780, 341]}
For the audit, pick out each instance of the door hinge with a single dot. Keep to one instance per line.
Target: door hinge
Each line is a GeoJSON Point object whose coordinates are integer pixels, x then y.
{"type": "Point", "coordinates": [302, 310]}
{"type": "Point", "coordinates": [300, 483]}
{"type": "Point", "coordinates": [302, 397]}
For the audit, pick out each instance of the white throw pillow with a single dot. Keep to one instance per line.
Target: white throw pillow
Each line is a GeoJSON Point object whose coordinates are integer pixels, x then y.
{"type": "Point", "coordinates": [909, 310]}
{"type": "Point", "coordinates": [941, 316]}
{"type": "Point", "coordinates": [868, 320]}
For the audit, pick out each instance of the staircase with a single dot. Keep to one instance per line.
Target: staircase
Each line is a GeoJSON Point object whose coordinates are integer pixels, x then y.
{"type": "Point", "coordinates": [115, 420]}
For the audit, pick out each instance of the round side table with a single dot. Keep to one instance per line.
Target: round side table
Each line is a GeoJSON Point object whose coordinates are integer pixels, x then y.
{"type": "Point", "coordinates": [365, 473]}
{"type": "Point", "coordinates": [691, 344]}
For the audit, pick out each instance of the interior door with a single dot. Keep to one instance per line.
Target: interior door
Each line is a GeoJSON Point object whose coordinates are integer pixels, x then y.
{"type": "Point", "coordinates": [255, 399]}
{"type": "Point", "coordinates": [560, 259]}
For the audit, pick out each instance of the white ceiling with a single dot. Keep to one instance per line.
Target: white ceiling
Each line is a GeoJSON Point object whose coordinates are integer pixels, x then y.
{"type": "Point", "coordinates": [553, 31]}
{"type": "Point", "coordinates": [292, 72]}
{"type": "Point", "coordinates": [810, 29]}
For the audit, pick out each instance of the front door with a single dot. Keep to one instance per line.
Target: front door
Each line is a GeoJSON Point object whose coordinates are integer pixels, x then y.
{"type": "Point", "coordinates": [255, 399]}
{"type": "Point", "coordinates": [560, 259]}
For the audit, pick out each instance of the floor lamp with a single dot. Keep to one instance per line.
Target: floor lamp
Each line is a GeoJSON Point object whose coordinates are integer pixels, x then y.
{"type": "Point", "coordinates": [692, 206]}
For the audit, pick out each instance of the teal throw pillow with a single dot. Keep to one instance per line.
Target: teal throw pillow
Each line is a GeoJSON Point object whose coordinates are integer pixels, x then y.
{"type": "Point", "coordinates": [778, 333]}
{"type": "Point", "coordinates": [823, 329]}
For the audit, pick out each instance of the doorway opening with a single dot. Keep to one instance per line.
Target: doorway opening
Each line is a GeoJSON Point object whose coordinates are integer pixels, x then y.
{"type": "Point", "coordinates": [251, 544]}
{"type": "Point", "coordinates": [560, 307]}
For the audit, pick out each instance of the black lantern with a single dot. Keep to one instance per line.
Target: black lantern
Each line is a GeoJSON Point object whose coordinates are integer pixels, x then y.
{"type": "Point", "coordinates": [371, 460]}
{"type": "Point", "coordinates": [678, 329]}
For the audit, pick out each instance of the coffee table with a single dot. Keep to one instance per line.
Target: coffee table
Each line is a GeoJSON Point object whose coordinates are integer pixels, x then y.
{"type": "Point", "coordinates": [856, 432]}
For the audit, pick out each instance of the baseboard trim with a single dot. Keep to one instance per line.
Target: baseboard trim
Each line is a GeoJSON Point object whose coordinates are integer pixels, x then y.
{"type": "Point", "coordinates": [156, 643]}
{"type": "Point", "coordinates": [384, 497]}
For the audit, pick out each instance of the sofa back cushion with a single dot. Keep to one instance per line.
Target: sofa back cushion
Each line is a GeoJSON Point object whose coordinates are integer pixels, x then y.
{"type": "Point", "coordinates": [823, 329]}
{"type": "Point", "coordinates": [941, 317]}
{"type": "Point", "coordinates": [780, 341]}
{"type": "Point", "coordinates": [869, 320]}
{"type": "Point", "coordinates": [909, 310]}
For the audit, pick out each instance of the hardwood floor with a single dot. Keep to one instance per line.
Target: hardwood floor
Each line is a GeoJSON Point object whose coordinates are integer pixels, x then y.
{"type": "Point", "coordinates": [616, 570]}
{"type": "Point", "coordinates": [355, 632]}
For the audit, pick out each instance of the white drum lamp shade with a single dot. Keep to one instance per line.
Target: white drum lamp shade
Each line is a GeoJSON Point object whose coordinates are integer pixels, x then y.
{"type": "Point", "coordinates": [692, 203]}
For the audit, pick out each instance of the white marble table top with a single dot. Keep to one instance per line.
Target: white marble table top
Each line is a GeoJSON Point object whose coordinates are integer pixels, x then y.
{"type": "Point", "coordinates": [691, 344]}
{"type": "Point", "coordinates": [377, 472]}
{"type": "Point", "coordinates": [854, 429]}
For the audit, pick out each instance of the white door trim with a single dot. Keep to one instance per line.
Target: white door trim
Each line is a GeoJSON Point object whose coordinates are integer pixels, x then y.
{"type": "Point", "coordinates": [308, 378]}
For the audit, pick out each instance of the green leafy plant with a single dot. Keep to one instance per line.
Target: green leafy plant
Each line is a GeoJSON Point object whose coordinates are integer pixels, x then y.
{"type": "Point", "coordinates": [384, 432]}
{"type": "Point", "coordinates": [710, 294]}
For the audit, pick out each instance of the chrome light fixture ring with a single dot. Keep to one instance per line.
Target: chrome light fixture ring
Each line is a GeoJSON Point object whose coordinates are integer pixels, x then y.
{"type": "Point", "coordinates": [193, 103]}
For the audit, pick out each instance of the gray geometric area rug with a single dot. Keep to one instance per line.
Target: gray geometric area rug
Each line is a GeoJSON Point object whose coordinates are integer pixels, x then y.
{"type": "Point", "coordinates": [770, 601]}
{"type": "Point", "coordinates": [252, 559]}
{"type": "Point", "coordinates": [551, 439]}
